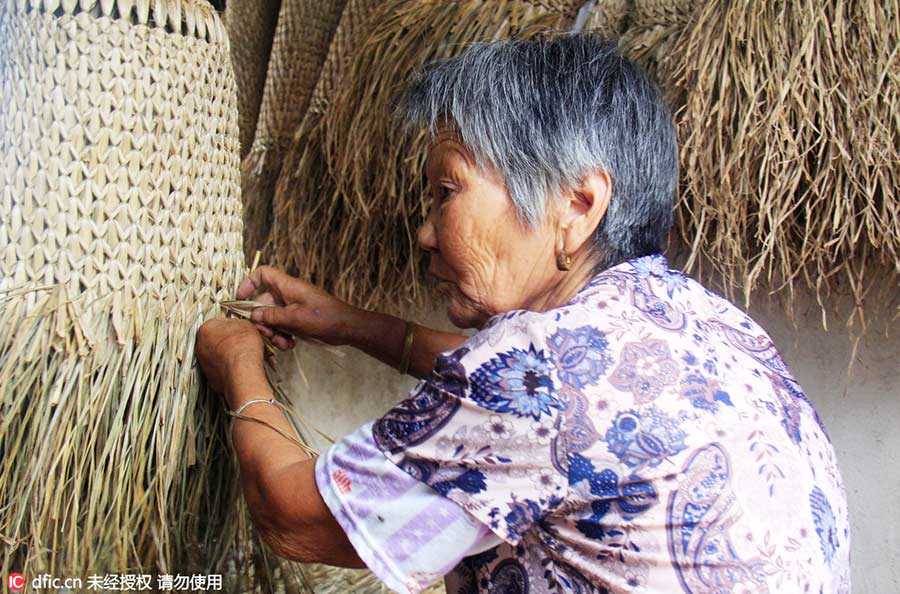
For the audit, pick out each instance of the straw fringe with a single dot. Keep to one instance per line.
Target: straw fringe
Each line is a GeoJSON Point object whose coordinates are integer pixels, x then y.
{"type": "Point", "coordinates": [608, 18]}
{"type": "Point", "coordinates": [652, 33]}
{"type": "Point", "coordinates": [790, 140]}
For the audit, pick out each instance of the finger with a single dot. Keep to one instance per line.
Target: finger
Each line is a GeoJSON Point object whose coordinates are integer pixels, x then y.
{"type": "Point", "coordinates": [267, 298]}
{"type": "Point", "coordinates": [282, 342]}
{"type": "Point", "coordinates": [265, 330]}
{"type": "Point", "coordinates": [275, 317]}
{"type": "Point", "coordinates": [264, 276]}
{"type": "Point", "coordinates": [247, 287]}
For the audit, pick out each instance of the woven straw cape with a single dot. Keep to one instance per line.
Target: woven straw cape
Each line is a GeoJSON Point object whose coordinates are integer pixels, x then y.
{"type": "Point", "coordinates": [120, 231]}
{"type": "Point", "coordinates": [302, 38]}
{"type": "Point", "coordinates": [251, 27]}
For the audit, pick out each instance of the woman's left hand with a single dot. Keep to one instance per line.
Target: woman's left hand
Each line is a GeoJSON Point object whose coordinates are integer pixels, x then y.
{"type": "Point", "coordinates": [222, 345]}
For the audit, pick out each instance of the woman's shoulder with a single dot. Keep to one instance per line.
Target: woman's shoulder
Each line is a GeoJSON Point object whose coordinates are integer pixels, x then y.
{"type": "Point", "coordinates": [639, 307]}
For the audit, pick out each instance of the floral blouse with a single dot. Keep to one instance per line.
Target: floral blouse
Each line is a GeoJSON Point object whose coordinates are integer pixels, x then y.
{"type": "Point", "coordinates": [646, 436]}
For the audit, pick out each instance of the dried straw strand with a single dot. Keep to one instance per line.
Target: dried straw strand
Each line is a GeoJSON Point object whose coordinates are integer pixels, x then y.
{"type": "Point", "coordinates": [790, 137]}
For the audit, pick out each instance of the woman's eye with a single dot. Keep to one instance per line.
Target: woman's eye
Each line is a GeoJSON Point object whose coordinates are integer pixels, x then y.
{"type": "Point", "coordinates": [438, 195]}
{"type": "Point", "coordinates": [444, 192]}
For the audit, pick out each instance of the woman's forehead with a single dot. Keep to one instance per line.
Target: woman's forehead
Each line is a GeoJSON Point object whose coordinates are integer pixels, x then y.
{"type": "Point", "coordinates": [445, 146]}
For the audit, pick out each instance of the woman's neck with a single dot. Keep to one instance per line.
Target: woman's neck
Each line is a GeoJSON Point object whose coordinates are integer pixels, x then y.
{"type": "Point", "coordinates": [565, 285]}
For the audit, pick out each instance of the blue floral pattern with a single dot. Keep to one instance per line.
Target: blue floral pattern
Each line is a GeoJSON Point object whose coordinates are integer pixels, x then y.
{"type": "Point", "coordinates": [631, 496]}
{"type": "Point", "coordinates": [581, 354]}
{"type": "Point", "coordinates": [826, 524]}
{"type": "Point", "coordinates": [646, 436]}
{"type": "Point", "coordinates": [518, 382]}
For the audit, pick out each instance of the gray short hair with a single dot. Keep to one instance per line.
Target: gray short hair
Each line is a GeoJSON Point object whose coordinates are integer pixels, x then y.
{"type": "Point", "coordinates": [544, 113]}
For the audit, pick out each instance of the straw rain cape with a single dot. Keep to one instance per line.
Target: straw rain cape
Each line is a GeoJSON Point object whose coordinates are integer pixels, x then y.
{"type": "Point", "coordinates": [120, 231]}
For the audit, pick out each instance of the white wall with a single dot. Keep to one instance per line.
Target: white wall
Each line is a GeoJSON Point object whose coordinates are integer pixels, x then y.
{"type": "Point", "coordinates": [861, 412]}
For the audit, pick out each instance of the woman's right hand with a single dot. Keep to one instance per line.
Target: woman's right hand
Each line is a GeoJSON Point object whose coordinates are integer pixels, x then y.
{"type": "Point", "coordinates": [300, 309]}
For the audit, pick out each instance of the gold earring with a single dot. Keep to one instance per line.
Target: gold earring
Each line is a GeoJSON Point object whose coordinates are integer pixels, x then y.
{"type": "Point", "coordinates": [563, 261]}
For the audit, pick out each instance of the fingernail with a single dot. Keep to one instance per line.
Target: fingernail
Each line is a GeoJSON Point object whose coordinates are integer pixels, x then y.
{"type": "Point", "coordinates": [256, 315]}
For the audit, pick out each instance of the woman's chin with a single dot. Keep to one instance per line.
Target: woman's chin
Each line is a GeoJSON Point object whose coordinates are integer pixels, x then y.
{"type": "Point", "coordinates": [453, 314]}
{"type": "Point", "coordinates": [461, 314]}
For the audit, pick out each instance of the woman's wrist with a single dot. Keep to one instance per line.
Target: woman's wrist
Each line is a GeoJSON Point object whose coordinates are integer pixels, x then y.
{"type": "Point", "coordinates": [356, 327]}
{"type": "Point", "coordinates": [377, 334]}
{"type": "Point", "coordinates": [246, 380]}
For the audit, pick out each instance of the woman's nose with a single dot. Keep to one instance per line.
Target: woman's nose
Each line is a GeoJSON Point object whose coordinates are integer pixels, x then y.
{"type": "Point", "coordinates": [426, 235]}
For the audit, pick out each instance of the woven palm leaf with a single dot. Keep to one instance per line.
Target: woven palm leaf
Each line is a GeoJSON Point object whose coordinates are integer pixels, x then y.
{"type": "Point", "coordinates": [347, 36]}
{"type": "Point", "coordinates": [350, 198]}
{"type": "Point", "coordinates": [120, 231]}
{"type": "Point", "coordinates": [251, 29]}
{"type": "Point", "coordinates": [302, 38]}
{"type": "Point", "coordinates": [791, 144]}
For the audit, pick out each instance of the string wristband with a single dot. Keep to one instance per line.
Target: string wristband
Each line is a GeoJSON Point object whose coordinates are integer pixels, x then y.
{"type": "Point", "coordinates": [240, 409]}
{"type": "Point", "coordinates": [237, 414]}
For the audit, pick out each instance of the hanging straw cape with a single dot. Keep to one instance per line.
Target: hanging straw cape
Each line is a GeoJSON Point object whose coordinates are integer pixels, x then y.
{"type": "Point", "coordinates": [791, 147]}
{"type": "Point", "coordinates": [120, 231]}
{"type": "Point", "coordinates": [302, 38]}
{"type": "Point", "coordinates": [251, 28]}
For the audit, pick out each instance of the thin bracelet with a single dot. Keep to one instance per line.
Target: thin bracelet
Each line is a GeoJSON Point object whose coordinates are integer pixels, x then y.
{"type": "Point", "coordinates": [239, 409]}
{"type": "Point", "coordinates": [237, 414]}
{"type": "Point", "coordinates": [309, 451]}
{"type": "Point", "coordinates": [407, 348]}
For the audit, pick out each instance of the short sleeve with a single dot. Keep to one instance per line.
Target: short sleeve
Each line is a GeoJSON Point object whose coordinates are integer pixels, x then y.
{"type": "Point", "coordinates": [405, 533]}
{"type": "Point", "coordinates": [480, 429]}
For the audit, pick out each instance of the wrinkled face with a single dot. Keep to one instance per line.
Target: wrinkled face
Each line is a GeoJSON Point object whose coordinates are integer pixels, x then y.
{"type": "Point", "coordinates": [487, 262]}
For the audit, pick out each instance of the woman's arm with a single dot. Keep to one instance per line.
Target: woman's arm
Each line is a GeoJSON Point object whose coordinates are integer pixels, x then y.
{"type": "Point", "coordinates": [382, 336]}
{"type": "Point", "coordinates": [277, 477]}
{"type": "Point", "coordinates": [306, 311]}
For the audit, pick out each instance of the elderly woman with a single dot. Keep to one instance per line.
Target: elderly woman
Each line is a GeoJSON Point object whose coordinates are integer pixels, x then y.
{"type": "Point", "coordinates": [612, 426]}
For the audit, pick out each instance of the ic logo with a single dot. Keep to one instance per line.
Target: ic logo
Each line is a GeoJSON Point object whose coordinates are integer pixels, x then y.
{"type": "Point", "coordinates": [15, 581]}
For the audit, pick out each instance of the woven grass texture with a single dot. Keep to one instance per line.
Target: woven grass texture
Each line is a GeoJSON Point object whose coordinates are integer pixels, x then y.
{"type": "Point", "coordinates": [251, 28]}
{"type": "Point", "coordinates": [302, 38]}
{"type": "Point", "coordinates": [120, 232]}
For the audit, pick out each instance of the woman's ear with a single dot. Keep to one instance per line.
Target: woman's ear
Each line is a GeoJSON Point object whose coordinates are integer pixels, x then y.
{"type": "Point", "coordinates": [584, 207]}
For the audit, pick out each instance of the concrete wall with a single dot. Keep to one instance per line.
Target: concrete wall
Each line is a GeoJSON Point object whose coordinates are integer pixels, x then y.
{"type": "Point", "coordinates": [860, 410]}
